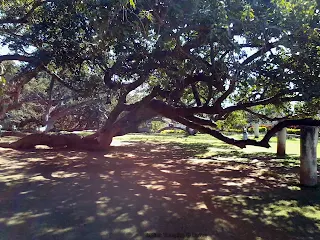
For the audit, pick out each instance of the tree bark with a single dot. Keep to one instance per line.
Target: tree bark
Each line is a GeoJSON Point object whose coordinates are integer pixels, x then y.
{"type": "Point", "coordinates": [59, 141]}
{"type": "Point", "coordinates": [99, 141]}
{"type": "Point", "coordinates": [308, 156]}
{"type": "Point", "coordinates": [49, 124]}
{"type": "Point", "coordinates": [281, 142]}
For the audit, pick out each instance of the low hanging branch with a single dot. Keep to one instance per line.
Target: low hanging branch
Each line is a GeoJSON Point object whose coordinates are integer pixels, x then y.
{"type": "Point", "coordinates": [71, 141]}
{"type": "Point", "coordinates": [288, 123]}
{"type": "Point", "coordinates": [17, 57]}
{"type": "Point", "coordinates": [202, 121]}
{"type": "Point", "coordinates": [192, 122]}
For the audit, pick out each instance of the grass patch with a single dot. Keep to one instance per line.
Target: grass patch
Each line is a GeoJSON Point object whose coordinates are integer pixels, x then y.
{"type": "Point", "coordinates": [217, 148]}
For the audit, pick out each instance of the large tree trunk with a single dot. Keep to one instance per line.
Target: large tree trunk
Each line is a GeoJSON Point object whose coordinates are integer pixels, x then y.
{"type": "Point", "coordinates": [49, 124]}
{"type": "Point", "coordinates": [101, 140]}
{"type": "Point", "coordinates": [105, 138]}
{"type": "Point", "coordinates": [56, 141]}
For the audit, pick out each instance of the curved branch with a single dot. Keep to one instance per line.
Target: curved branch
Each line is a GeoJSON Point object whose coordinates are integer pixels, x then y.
{"type": "Point", "coordinates": [60, 80]}
{"type": "Point", "coordinates": [17, 57]}
{"type": "Point", "coordinates": [258, 54]}
{"type": "Point", "coordinates": [202, 121]}
{"type": "Point", "coordinates": [287, 123]}
{"type": "Point", "coordinates": [210, 94]}
{"type": "Point", "coordinates": [170, 112]}
{"type": "Point", "coordinates": [228, 92]}
{"type": "Point", "coordinates": [242, 106]}
{"type": "Point", "coordinates": [196, 94]}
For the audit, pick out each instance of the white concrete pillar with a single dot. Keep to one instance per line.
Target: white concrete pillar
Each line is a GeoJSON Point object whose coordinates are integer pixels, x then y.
{"type": "Point", "coordinates": [308, 156]}
{"type": "Point", "coordinates": [256, 130]}
{"type": "Point", "coordinates": [281, 142]}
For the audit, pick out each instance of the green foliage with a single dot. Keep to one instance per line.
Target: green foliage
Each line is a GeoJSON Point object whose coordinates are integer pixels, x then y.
{"type": "Point", "coordinates": [308, 109]}
{"type": "Point", "coordinates": [2, 84]}
{"type": "Point", "coordinates": [157, 125]}
{"type": "Point", "coordinates": [271, 111]}
{"type": "Point", "coordinates": [293, 131]}
{"type": "Point", "coordinates": [173, 131]}
{"type": "Point", "coordinates": [236, 120]}
{"type": "Point", "coordinates": [132, 3]}
{"type": "Point", "coordinates": [234, 130]}
{"type": "Point", "coordinates": [261, 129]}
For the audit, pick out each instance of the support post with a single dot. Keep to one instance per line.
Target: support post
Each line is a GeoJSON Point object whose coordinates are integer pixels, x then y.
{"type": "Point", "coordinates": [281, 142]}
{"type": "Point", "coordinates": [256, 130]}
{"type": "Point", "coordinates": [308, 156]}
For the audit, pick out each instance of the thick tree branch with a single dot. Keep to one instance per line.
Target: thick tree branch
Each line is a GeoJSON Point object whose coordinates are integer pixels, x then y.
{"type": "Point", "coordinates": [287, 123]}
{"type": "Point", "coordinates": [131, 86]}
{"type": "Point", "coordinates": [169, 112]}
{"type": "Point", "coordinates": [186, 111]}
{"type": "Point", "coordinates": [60, 80]}
{"type": "Point", "coordinates": [242, 106]}
{"type": "Point", "coordinates": [201, 121]}
{"type": "Point", "coordinates": [258, 54]}
{"type": "Point", "coordinates": [196, 94]}
{"type": "Point", "coordinates": [144, 101]}
{"type": "Point", "coordinates": [63, 111]}
{"type": "Point", "coordinates": [210, 94]}
{"type": "Point", "coordinates": [228, 92]}
{"type": "Point", "coordinates": [17, 57]}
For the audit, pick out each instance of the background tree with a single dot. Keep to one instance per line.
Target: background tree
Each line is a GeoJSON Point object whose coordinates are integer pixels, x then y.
{"type": "Point", "coordinates": [197, 62]}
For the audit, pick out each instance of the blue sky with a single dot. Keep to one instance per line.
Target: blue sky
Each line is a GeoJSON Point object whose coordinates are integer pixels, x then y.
{"type": "Point", "coordinates": [4, 50]}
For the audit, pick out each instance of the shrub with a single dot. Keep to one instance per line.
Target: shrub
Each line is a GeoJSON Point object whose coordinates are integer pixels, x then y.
{"type": "Point", "coordinates": [261, 129]}
{"type": "Point", "coordinates": [293, 131]}
{"type": "Point", "coordinates": [157, 125]}
{"type": "Point", "coordinates": [233, 130]}
{"type": "Point", "coordinates": [173, 131]}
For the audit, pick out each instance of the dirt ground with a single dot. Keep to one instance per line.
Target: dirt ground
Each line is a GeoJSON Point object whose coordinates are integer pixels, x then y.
{"type": "Point", "coordinates": [142, 190]}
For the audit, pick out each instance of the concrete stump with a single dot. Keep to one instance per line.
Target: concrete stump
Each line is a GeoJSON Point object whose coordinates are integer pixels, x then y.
{"type": "Point", "coordinates": [256, 130]}
{"type": "Point", "coordinates": [308, 156]}
{"type": "Point", "coordinates": [281, 142]}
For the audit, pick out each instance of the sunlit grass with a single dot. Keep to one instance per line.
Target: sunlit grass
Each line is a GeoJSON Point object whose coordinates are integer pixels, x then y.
{"type": "Point", "coordinates": [269, 212]}
{"type": "Point", "coordinates": [214, 145]}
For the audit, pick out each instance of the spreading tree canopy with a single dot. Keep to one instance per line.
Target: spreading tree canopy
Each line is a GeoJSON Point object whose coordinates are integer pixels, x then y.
{"type": "Point", "coordinates": [197, 61]}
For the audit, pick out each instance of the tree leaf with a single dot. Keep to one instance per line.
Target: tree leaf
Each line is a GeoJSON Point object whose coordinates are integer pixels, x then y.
{"type": "Point", "coordinates": [132, 3]}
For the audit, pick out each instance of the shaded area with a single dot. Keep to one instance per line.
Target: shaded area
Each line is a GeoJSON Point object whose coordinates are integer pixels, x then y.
{"type": "Point", "coordinates": [139, 188]}
{"type": "Point", "coordinates": [56, 141]}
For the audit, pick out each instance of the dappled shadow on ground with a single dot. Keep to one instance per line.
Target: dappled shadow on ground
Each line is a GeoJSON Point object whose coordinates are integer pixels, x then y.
{"type": "Point", "coordinates": [140, 188]}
